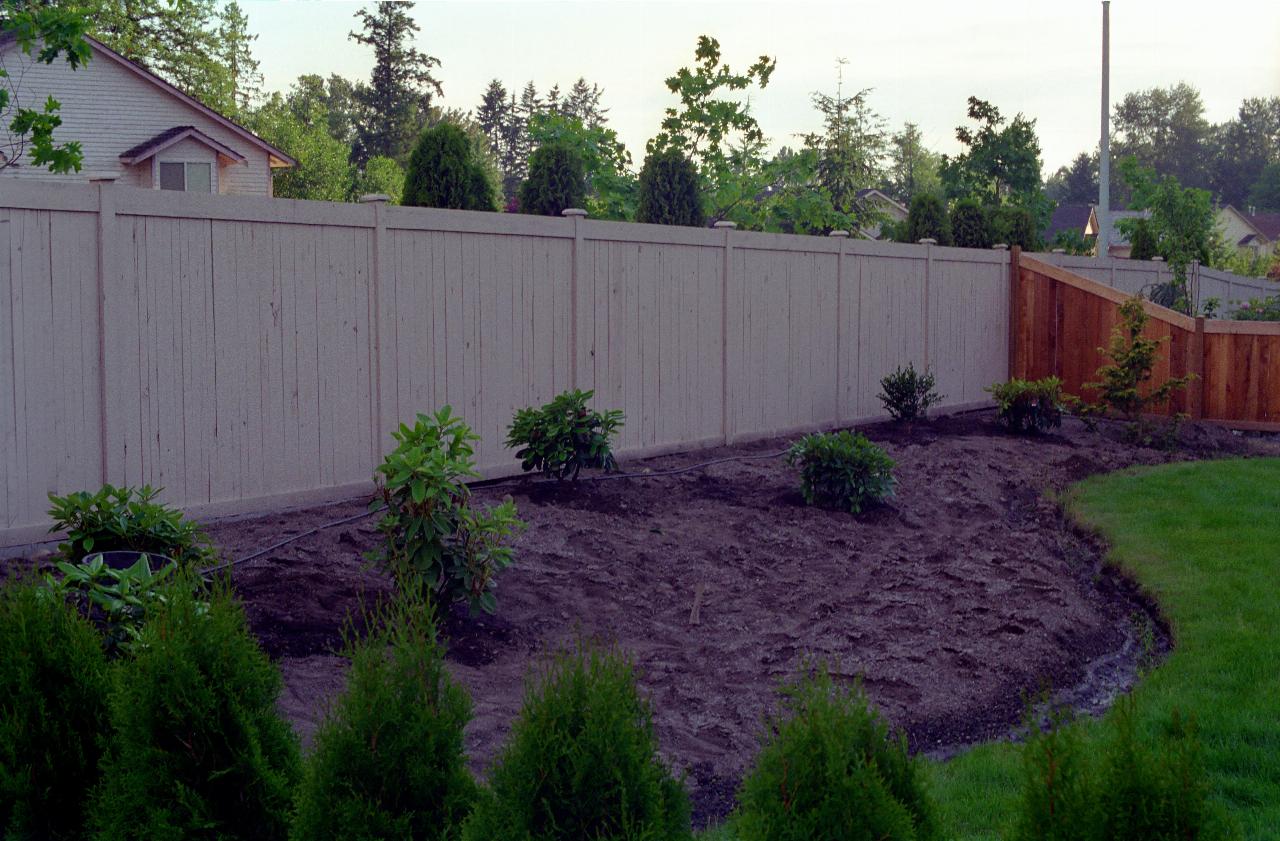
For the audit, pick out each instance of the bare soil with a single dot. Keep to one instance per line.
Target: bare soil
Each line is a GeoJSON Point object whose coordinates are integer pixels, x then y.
{"type": "Point", "coordinates": [964, 593]}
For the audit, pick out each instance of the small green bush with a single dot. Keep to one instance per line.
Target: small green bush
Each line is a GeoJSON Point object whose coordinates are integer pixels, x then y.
{"type": "Point", "coordinates": [564, 436]}
{"type": "Point", "coordinates": [198, 748]}
{"type": "Point", "coordinates": [434, 542]}
{"type": "Point", "coordinates": [971, 224]}
{"type": "Point", "coordinates": [1029, 405]}
{"type": "Point", "coordinates": [117, 601]}
{"type": "Point", "coordinates": [556, 181]}
{"type": "Point", "coordinates": [1258, 309]}
{"type": "Point", "coordinates": [1126, 787]}
{"type": "Point", "coordinates": [388, 759]}
{"type": "Point", "coordinates": [53, 713]}
{"type": "Point", "coordinates": [442, 172]}
{"type": "Point", "coordinates": [842, 470]}
{"type": "Point", "coordinates": [907, 395]}
{"type": "Point", "coordinates": [1142, 240]}
{"type": "Point", "coordinates": [669, 191]}
{"type": "Point", "coordinates": [129, 519]}
{"type": "Point", "coordinates": [927, 219]}
{"type": "Point", "coordinates": [581, 762]}
{"type": "Point", "coordinates": [829, 769]}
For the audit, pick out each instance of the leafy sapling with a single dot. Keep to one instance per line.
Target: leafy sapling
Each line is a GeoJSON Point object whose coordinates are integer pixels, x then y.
{"type": "Point", "coordinates": [907, 395]}
{"type": "Point", "coordinates": [1029, 405]}
{"type": "Point", "coordinates": [842, 470]}
{"type": "Point", "coordinates": [564, 436]}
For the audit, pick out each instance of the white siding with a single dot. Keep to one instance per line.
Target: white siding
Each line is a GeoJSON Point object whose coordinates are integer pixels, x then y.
{"type": "Point", "coordinates": [109, 109]}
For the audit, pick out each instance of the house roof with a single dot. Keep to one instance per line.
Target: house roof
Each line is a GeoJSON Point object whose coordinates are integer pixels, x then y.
{"type": "Point", "coordinates": [872, 193]}
{"type": "Point", "coordinates": [169, 137]}
{"type": "Point", "coordinates": [1267, 224]}
{"type": "Point", "coordinates": [1118, 237]}
{"type": "Point", "coordinates": [1068, 217]}
{"type": "Point", "coordinates": [276, 157]}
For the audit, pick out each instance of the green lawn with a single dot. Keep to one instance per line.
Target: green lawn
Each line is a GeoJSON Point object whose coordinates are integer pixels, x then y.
{"type": "Point", "coordinates": [1204, 539]}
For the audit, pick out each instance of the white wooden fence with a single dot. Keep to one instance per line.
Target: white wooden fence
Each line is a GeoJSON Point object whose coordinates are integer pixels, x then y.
{"type": "Point", "coordinates": [1138, 276]}
{"type": "Point", "coordinates": [248, 353]}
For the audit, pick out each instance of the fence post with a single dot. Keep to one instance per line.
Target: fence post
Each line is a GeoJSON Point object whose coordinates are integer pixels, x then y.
{"type": "Point", "coordinates": [379, 203]}
{"type": "Point", "coordinates": [843, 236]}
{"type": "Point", "coordinates": [1195, 365]}
{"type": "Point", "coordinates": [577, 214]}
{"type": "Point", "coordinates": [928, 243]}
{"type": "Point", "coordinates": [727, 227]}
{"type": "Point", "coordinates": [1015, 309]}
{"type": "Point", "coordinates": [107, 240]}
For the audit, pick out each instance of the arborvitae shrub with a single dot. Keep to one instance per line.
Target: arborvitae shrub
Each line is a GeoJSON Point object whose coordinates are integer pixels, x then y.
{"type": "Point", "coordinates": [198, 748]}
{"type": "Point", "coordinates": [53, 712]}
{"type": "Point", "coordinates": [829, 769]}
{"type": "Point", "coordinates": [556, 181]}
{"type": "Point", "coordinates": [1142, 241]}
{"type": "Point", "coordinates": [388, 759]}
{"type": "Point", "coordinates": [581, 762]}
{"type": "Point", "coordinates": [442, 173]}
{"type": "Point", "coordinates": [1015, 226]}
{"type": "Point", "coordinates": [669, 191]}
{"type": "Point", "coordinates": [1056, 802]}
{"type": "Point", "coordinates": [971, 225]}
{"type": "Point", "coordinates": [927, 219]}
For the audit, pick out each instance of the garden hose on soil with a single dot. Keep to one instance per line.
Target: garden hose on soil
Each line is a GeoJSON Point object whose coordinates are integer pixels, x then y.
{"type": "Point", "coordinates": [489, 483]}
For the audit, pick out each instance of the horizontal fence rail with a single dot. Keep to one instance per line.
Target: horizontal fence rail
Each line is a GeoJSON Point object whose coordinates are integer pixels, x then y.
{"type": "Point", "coordinates": [1062, 320]}
{"type": "Point", "coordinates": [247, 353]}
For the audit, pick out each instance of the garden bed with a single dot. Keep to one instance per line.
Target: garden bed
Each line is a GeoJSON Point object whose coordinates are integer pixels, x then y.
{"type": "Point", "coordinates": [963, 594]}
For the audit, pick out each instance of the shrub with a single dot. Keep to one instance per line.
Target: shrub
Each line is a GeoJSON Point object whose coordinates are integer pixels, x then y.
{"type": "Point", "coordinates": [669, 191]}
{"type": "Point", "coordinates": [1029, 405]}
{"type": "Point", "coordinates": [53, 711]}
{"type": "Point", "coordinates": [1142, 240]}
{"type": "Point", "coordinates": [1124, 383]}
{"type": "Point", "coordinates": [907, 395]}
{"type": "Point", "coordinates": [117, 601]}
{"type": "Point", "coordinates": [1124, 787]}
{"type": "Point", "coordinates": [564, 436]}
{"type": "Point", "coordinates": [442, 172]}
{"type": "Point", "coordinates": [842, 470]}
{"type": "Point", "coordinates": [1014, 225]}
{"type": "Point", "coordinates": [388, 759]}
{"type": "Point", "coordinates": [1259, 309]}
{"type": "Point", "coordinates": [433, 541]}
{"type": "Point", "coordinates": [129, 519]}
{"type": "Point", "coordinates": [556, 181]}
{"type": "Point", "coordinates": [927, 219]}
{"type": "Point", "coordinates": [581, 761]}
{"type": "Point", "coordinates": [197, 749]}
{"type": "Point", "coordinates": [971, 224]}
{"type": "Point", "coordinates": [829, 769]}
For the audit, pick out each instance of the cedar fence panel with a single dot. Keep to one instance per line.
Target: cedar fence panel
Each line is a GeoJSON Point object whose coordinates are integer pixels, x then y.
{"type": "Point", "coordinates": [1064, 319]}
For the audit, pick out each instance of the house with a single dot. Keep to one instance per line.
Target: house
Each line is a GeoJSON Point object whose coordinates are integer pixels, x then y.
{"type": "Point", "coordinates": [1254, 233]}
{"type": "Point", "coordinates": [1117, 240]}
{"type": "Point", "coordinates": [892, 210]}
{"type": "Point", "coordinates": [1068, 218]}
{"type": "Point", "coordinates": [135, 128]}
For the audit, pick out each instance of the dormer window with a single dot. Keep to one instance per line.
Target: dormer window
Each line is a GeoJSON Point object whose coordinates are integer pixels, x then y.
{"type": "Point", "coordinates": [186, 175]}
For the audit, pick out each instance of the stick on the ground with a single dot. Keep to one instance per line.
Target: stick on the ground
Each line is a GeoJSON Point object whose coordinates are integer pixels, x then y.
{"type": "Point", "coordinates": [695, 615]}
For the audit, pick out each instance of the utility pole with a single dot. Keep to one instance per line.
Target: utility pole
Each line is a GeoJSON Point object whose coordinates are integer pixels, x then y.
{"type": "Point", "coordinates": [1104, 144]}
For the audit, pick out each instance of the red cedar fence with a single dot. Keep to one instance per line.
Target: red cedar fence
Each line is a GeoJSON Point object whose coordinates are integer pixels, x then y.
{"type": "Point", "coordinates": [1058, 321]}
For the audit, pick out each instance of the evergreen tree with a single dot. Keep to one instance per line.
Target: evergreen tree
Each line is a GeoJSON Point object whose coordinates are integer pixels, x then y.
{"type": "Point", "coordinates": [556, 181]}
{"type": "Point", "coordinates": [912, 167]}
{"type": "Point", "coordinates": [493, 114]}
{"type": "Point", "coordinates": [443, 173]}
{"type": "Point", "coordinates": [400, 88]}
{"type": "Point", "coordinates": [1076, 184]}
{"type": "Point", "coordinates": [583, 104]}
{"type": "Point", "coordinates": [971, 224]}
{"type": "Point", "coordinates": [850, 149]}
{"type": "Point", "coordinates": [927, 219]}
{"type": "Point", "coordinates": [236, 55]}
{"type": "Point", "coordinates": [669, 192]}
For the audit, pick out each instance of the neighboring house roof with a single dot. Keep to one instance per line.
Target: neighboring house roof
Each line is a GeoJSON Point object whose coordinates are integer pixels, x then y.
{"type": "Point", "coordinates": [1267, 224]}
{"type": "Point", "coordinates": [276, 157]}
{"type": "Point", "coordinates": [177, 134]}
{"type": "Point", "coordinates": [1116, 236]}
{"type": "Point", "coordinates": [1068, 217]}
{"type": "Point", "coordinates": [876, 195]}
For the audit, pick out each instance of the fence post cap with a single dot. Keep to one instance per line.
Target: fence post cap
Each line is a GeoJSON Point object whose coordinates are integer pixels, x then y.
{"type": "Point", "coordinates": [1059, 251]}
{"type": "Point", "coordinates": [102, 179]}
{"type": "Point", "coordinates": [374, 198]}
{"type": "Point", "coordinates": [1000, 246]}
{"type": "Point", "coordinates": [928, 241]}
{"type": "Point", "coordinates": [725, 224]}
{"type": "Point", "coordinates": [1157, 259]}
{"type": "Point", "coordinates": [838, 234]}
{"type": "Point", "coordinates": [573, 211]}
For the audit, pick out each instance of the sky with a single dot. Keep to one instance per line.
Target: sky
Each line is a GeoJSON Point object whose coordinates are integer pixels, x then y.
{"type": "Point", "coordinates": [922, 59]}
